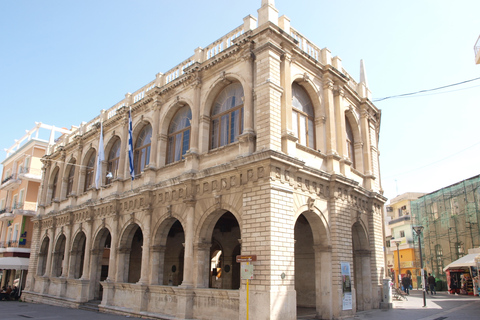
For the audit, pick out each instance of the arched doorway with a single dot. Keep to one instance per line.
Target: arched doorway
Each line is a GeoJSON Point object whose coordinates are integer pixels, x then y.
{"type": "Point", "coordinates": [135, 256]}
{"type": "Point", "coordinates": [174, 255]}
{"type": "Point", "coordinates": [313, 265]}
{"type": "Point", "coordinates": [100, 261]}
{"type": "Point", "coordinates": [42, 257]}
{"type": "Point", "coordinates": [304, 264]}
{"type": "Point", "coordinates": [58, 256]}
{"type": "Point", "coordinates": [77, 255]}
{"type": "Point", "coordinates": [223, 272]}
{"type": "Point", "coordinates": [362, 276]}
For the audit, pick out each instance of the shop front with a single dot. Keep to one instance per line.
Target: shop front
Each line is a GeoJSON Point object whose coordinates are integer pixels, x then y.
{"type": "Point", "coordinates": [462, 275]}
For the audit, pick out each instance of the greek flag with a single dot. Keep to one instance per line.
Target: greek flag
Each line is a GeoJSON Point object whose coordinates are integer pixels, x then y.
{"type": "Point", "coordinates": [100, 159]}
{"type": "Point", "coordinates": [130, 144]}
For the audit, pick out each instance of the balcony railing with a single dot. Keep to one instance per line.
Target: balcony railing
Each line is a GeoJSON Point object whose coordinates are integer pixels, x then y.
{"type": "Point", "coordinates": [402, 218]}
{"type": "Point", "coordinates": [22, 243]}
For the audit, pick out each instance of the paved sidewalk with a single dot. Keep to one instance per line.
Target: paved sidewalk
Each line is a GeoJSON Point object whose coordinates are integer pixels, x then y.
{"type": "Point", "coordinates": [438, 307]}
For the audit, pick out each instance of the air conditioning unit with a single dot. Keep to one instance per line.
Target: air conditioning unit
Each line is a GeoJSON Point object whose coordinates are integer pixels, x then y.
{"type": "Point", "coordinates": [404, 208]}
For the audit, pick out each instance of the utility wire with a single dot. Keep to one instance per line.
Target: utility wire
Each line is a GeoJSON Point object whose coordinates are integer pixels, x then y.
{"type": "Point", "coordinates": [427, 90]}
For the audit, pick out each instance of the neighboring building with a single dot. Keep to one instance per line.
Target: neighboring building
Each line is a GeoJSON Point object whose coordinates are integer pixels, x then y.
{"type": "Point", "coordinates": [450, 217]}
{"type": "Point", "coordinates": [401, 240]}
{"type": "Point", "coordinates": [260, 145]}
{"type": "Point", "coordinates": [19, 188]}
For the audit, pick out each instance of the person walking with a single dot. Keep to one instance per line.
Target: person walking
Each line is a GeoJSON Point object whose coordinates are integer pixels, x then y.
{"type": "Point", "coordinates": [406, 284]}
{"type": "Point", "coordinates": [431, 283]}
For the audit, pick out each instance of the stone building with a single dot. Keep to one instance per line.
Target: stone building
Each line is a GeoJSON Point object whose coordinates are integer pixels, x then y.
{"type": "Point", "coordinates": [259, 145]}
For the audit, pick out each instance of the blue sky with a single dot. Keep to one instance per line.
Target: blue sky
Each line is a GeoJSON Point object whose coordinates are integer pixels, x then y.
{"type": "Point", "coordinates": [61, 62]}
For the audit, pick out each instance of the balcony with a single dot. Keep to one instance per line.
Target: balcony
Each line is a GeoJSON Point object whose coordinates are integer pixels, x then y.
{"type": "Point", "coordinates": [11, 182]}
{"type": "Point", "coordinates": [30, 174]}
{"type": "Point", "coordinates": [400, 219]}
{"type": "Point", "coordinates": [476, 48]}
{"type": "Point", "coordinates": [21, 246]}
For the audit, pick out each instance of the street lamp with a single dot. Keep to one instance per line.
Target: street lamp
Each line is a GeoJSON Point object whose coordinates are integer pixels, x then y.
{"type": "Point", "coordinates": [418, 230]}
{"type": "Point", "coordinates": [397, 242]}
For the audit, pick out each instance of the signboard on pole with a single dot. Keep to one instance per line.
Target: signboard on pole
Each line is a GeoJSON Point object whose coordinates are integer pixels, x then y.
{"type": "Point", "coordinates": [346, 286]}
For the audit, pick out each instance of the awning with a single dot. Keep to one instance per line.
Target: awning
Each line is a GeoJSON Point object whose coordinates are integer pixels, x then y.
{"type": "Point", "coordinates": [465, 261]}
{"type": "Point", "coordinates": [14, 263]}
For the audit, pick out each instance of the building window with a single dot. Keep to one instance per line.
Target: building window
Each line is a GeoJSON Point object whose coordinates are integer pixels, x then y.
{"type": "Point", "coordinates": [89, 172]}
{"type": "Point", "coordinates": [179, 135]}
{"type": "Point", "coordinates": [402, 234]}
{"type": "Point", "coordinates": [21, 199]}
{"type": "Point", "coordinates": [227, 116]}
{"type": "Point", "coordinates": [303, 116]}
{"type": "Point", "coordinates": [351, 143]}
{"type": "Point", "coordinates": [54, 185]}
{"type": "Point", "coordinates": [113, 158]}
{"type": "Point", "coordinates": [142, 149]}
{"type": "Point", "coordinates": [15, 199]}
{"type": "Point", "coordinates": [70, 178]}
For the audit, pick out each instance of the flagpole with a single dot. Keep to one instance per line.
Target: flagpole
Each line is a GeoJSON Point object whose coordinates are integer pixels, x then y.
{"type": "Point", "coordinates": [130, 148]}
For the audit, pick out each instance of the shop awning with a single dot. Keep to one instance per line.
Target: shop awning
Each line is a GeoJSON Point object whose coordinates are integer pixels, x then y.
{"type": "Point", "coordinates": [465, 261]}
{"type": "Point", "coordinates": [14, 263]}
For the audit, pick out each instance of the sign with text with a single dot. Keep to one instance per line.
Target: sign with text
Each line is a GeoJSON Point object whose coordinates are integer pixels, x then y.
{"type": "Point", "coordinates": [246, 258]}
{"type": "Point", "coordinates": [246, 272]}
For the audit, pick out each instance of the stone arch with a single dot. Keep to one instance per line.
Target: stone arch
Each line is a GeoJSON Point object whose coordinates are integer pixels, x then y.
{"type": "Point", "coordinates": [352, 119]}
{"type": "Point", "coordinates": [77, 254]}
{"type": "Point", "coordinates": [87, 168]}
{"type": "Point", "coordinates": [58, 255]}
{"type": "Point", "coordinates": [53, 184]}
{"type": "Point", "coordinates": [163, 255]}
{"type": "Point", "coordinates": [318, 108]}
{"type": "Point", "coordinates": [313, 272]}
{"type": "Point", "coordinates": [130, 253]}
{"type": "Point", "coordinates": [215, 88]}
{"type": "Point", "coordinates": [208, 231]}
{"type": "Point", "coordinates": [207, 105]}
{"type": "Point", "coordinates": [362, 275]}
{"type": "Point", "coordinates": [112, 161]}
{"type": "Point", "coordinates": [43, 256]}
{"type": "Point", "coordinates": [100, 260]}
{"type": "Point", "coordinates": [68, 178]}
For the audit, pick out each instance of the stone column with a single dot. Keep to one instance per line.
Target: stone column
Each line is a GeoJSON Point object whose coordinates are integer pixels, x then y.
{"type": "Point", "coordinates": [340, 126]}
{"type": "Point", "coordinates": [367, 156]}
{"type": "Point", "coordinates": [247, 138]}
{"type": "Point", "coordinates": [157, 256]}
{"type": "Point", "coordinates": [68, 240]}
{"type": "Point", "coordinates": [61, 169]}
{"type": "Point", "coordinates": [48, 269]}
{"type": "Point", "coordinates": [331, 139]}
{"type": "Point", "coordinates": [76, 175]}
{"type": "Point", "coordinates": [123, 165]}
{"type": "Point", "coordinates": [112, 260]}
{"type": "Point", "coordinates": [289, 139]}
{"type": "Point", "coordinates": [154, 142]}
{"type": "Point", "coordinates": [202, 264]}
{"type": "Point", "coordinates": [88, 245]}
{"type": "Point", "coordinates": [144, 275]}
{"type": "Point", "coordinates": [188, 257]}
{"type": "Point", "coordinates": [323, 282]}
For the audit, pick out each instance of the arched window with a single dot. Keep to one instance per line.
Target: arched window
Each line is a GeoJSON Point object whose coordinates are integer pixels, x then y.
{"type": "Point", "coordinates": [113, 158]}
{"type": "Point", "coordinates": [179, 135]}
{"type": "Point", "coordinates": [70, 177]}
{"type": "Point", "coordinates": [89, 172]}
{"type": "Point", "coordinates": [142, 149]}
{"type": "Point", "coordinates": [54, 184]}
{"type": "Point", "coordinates": [302, 116]}
{"type": "Point", "coordinates": [350, 142]}
{"type": "Point", "coordinates": [227, 116]}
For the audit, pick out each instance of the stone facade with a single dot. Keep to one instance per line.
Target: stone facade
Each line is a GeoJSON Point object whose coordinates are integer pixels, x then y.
{"type": "Point", "coordinates": [260, 144]}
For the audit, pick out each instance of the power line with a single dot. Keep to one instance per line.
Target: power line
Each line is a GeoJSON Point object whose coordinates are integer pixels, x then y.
{"type": "Point", "coordinates": [427, 90]}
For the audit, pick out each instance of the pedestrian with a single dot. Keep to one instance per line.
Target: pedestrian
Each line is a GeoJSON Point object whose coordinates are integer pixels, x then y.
{"type": "Point", "coordinates": [431, 283]}
{"type": "Point", "coordinates": [406, 284]}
